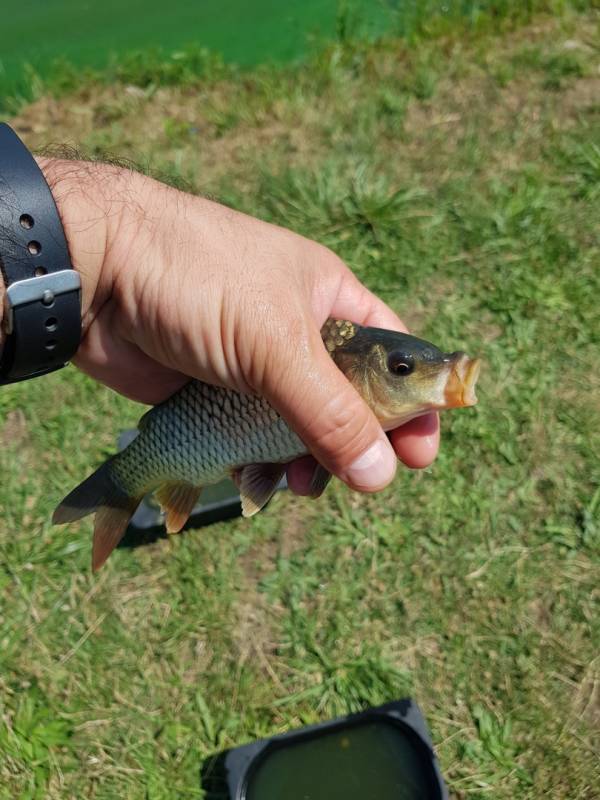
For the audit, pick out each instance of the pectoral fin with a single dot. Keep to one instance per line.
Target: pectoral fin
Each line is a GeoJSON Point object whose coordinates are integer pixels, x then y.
{"type": "Point", "coordinates": [177, 500]}
{"type": "Point", "coordinates": [257, 484]}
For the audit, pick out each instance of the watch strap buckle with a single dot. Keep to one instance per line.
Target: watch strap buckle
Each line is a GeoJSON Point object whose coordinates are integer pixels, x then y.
{"type": "Point", "coordinates": [41, 289]}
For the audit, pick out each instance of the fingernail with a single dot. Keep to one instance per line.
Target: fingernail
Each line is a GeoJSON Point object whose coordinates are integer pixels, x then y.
{"type": "Point", "coordinates": [375, 468]}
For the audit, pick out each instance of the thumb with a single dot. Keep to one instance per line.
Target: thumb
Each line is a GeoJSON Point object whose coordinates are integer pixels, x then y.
{"type": "Point", "coordinates": [328, 414]}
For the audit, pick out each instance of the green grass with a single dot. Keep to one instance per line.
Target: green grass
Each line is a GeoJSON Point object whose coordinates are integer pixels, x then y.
{"type": "Point", "coordinates": [459, 178]}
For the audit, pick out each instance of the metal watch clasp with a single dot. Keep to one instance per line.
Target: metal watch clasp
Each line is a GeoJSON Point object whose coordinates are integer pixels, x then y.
{"type": "Point", "coordinates": [43, 289]}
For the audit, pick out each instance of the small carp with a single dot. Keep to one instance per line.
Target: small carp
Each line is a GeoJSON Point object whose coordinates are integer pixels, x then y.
{"type": "Point", "coordinates": [205, 433]}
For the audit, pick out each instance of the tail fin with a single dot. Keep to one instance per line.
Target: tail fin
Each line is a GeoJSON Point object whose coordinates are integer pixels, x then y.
{"type": "Point", "coordinates": [113, 507]}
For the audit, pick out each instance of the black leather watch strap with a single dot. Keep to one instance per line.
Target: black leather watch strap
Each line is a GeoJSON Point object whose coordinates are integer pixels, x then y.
{"type": "Point", "coordinates": [42, 309]}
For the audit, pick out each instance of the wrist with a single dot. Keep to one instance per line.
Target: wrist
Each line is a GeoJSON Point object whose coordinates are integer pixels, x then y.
{"type": "Point", "coordinates": [92, 201]}
{"type": "Point", "coordinates": [86, 239]}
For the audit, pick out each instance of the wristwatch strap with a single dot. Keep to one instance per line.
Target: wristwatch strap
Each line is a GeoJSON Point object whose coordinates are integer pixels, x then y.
{"type": "Point", "coordinates": [42, 307]}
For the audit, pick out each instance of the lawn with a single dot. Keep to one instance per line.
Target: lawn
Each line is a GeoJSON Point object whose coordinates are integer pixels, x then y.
{"type": "Point", "coordinates": [460, 178]}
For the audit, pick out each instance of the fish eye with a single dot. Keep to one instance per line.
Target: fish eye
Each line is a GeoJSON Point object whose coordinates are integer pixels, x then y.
{"type": "Point", "coordinates": [400, 364]}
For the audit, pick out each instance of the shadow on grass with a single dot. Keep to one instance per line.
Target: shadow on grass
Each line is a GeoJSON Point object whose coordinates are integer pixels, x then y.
{"type": "Point", "coordinates": [147, 525]}
{"type": "Point", "coordinates": [213, 777]}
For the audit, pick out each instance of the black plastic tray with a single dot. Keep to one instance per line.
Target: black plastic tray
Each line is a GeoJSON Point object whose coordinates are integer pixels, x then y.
{"type": "Point", "coordinates": [228, 775]}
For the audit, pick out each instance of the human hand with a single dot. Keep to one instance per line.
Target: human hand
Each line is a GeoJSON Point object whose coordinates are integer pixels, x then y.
{"type": "Point", "coordinates": [175, 286]}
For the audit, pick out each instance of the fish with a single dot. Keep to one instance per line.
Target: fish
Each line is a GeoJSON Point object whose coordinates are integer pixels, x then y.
{"type": "Point", "coordinates": [204, 433]}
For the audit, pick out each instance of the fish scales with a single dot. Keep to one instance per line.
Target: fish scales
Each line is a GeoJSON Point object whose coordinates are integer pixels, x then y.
{"type": "Point", "coordinates": [191, 438]}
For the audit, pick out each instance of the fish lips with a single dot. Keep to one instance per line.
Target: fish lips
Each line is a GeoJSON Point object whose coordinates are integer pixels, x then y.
{"type": "Point", "coordinates": [459, 391]}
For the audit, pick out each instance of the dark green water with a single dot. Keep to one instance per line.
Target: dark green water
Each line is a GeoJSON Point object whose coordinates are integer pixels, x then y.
{"type": "Point", "coordinates": [89, 32]}
{"type": "Point", "coordinates": [372, 761]}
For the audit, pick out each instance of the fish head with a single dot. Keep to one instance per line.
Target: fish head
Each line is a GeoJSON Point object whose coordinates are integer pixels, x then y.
{"type": "Point", "coordinates": [402, 377]}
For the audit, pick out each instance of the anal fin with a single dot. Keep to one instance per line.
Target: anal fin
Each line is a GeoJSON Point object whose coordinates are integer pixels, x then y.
{"type": "Point", "coordinates": [177, 501]}
{"type": "Point", "coordinates": [257, 484]}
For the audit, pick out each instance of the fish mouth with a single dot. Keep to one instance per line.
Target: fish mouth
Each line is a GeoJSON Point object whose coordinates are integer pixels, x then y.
{"type": "Point", "coordinates": [460, 386]}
